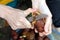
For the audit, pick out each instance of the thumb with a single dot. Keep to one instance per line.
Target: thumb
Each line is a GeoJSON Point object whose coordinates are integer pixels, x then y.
{"type": "Point", "coordinates": [41, 34]}
{"type": "Point", "coordinates": [25, 22]}
{"type": "Point", "coordinates": [46, 28]}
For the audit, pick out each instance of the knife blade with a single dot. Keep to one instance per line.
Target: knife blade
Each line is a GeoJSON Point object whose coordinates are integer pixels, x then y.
{"type": "Point", "coordinates": [30, 19]}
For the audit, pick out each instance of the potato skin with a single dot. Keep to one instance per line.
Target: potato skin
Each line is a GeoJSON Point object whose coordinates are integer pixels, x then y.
{"type": "Point", "coordinates": [39, 25]}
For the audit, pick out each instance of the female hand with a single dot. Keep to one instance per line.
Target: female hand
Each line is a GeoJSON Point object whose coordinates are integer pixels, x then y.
{"type": "Point", "coordinates": [15, 17]}
{"type": "Point", "coordinates": [43, 8]}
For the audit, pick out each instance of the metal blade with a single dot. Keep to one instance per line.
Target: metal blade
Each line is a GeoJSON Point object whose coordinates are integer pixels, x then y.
{"type": "Point", "coordinates": [30, 19]}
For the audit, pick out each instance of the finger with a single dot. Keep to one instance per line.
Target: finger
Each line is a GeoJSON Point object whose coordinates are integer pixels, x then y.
{"type": "Point", "coordinates": [14, 23]}
{"type": "Point", "coordinates": [46, 27]}
{"type": "Point", "coordinates": [36, 31]}
{"type": "Point", "coordinates": [27, 12]}
{"type": "Point", "coordinates": [11, 23]}
{"type": "Point", "coordinates": [25, 22]}
{"type": "Point", "coordinates": [34, 10]}
{"type": "Point", "coordinates": [50, 28]}
{"type": "Point", "coordinates": [45, 33]}
{"type": "Point", "coordinates": [47, 24]}
{"type": "Point", "coordinates": [41, 34]}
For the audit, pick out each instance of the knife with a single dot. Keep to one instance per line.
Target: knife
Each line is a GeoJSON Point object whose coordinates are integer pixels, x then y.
{"type": "Point", "coordinates": [40, 16]}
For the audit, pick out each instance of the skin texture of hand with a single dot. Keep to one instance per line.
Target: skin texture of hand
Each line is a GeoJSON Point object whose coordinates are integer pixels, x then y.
{"type": "Point", "coordinates": [43, 8]}
{"type": "Point", "coordinates": [15, 17]}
